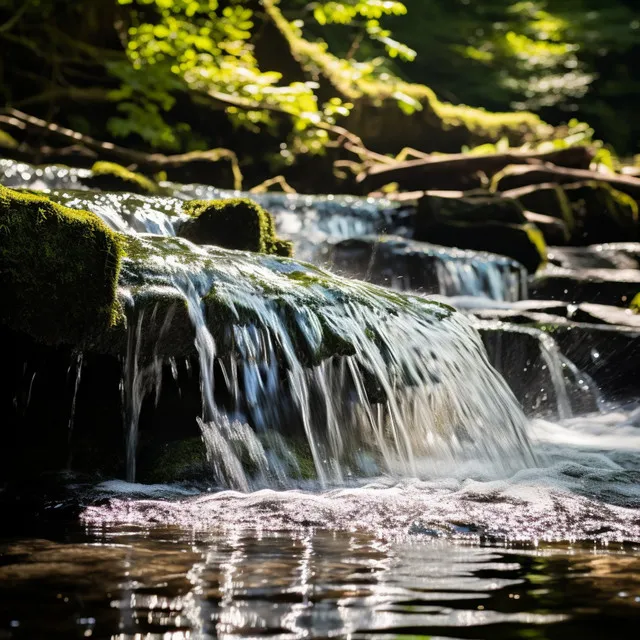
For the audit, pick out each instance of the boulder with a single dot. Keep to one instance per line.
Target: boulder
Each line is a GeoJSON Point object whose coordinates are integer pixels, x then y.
{"type": "Point", "coordinates": [58, 269]}
{"type": "Point", "coordinates": [237, 223]}
{"type": "Point", "coordinates": [602, 213]}
{"type": "Point", "coordinates": [548, 199]}
{"type": "Point", "coordinates": [603, 342]}
{"type": "Point", "coordinates": [554, 231]}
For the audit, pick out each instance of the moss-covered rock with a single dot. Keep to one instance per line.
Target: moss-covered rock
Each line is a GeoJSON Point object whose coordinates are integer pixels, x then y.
{"type": "Point", "coordinates": [237, 223]}
{"type": "Point", "coordinates": [58, 269]}
{"type": "Point", "coordinates": [109, 176]}
{"type": "Point", "coordinates": [497, 225]}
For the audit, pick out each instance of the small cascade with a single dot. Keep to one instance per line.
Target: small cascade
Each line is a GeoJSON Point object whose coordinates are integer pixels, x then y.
{"type": "Point", "coordinates": [304, 374]}
{"type": "Point", "coordinates": [406, 265]}
{"type": "Point", "coordinates": [546, 382]}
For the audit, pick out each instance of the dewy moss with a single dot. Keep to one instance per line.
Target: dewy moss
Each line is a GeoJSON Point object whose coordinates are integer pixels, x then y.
{"type": "Point", "coordinates": [110, 176]}
{"type": "Point", "coordinates": [58, 269]}
{"type": "Point", "coordinates": [237, 223]}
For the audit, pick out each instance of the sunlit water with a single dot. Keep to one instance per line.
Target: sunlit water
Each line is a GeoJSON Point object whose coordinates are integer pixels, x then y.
{"type": "Point", "coordinates": [516, 529]}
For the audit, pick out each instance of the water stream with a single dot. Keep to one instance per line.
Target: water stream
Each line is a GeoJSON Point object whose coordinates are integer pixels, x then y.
{"type": "Point", "coordinates": [370, 473]}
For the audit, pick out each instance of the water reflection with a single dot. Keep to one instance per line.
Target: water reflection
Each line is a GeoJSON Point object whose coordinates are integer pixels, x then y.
{"type": "Point", "coordinates": [168, 583]}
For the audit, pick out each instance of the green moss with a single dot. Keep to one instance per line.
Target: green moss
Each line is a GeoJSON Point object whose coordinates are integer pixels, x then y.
{"type": "Point", "coordinates": [7, 141]}
{"type": "Point", "coordinates": [237, 223]}
{"type": "Point", "coordinates": [110, 176]}
{"type": "Point", "coordinates": [283, 248]}
{"type": "Point", "coordinates": [635, 304]}
{"type": "Point", "coordinates": [58, 269]}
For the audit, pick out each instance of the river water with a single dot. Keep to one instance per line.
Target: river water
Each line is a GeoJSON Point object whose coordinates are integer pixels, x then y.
{"type": "Point", "coordinates": [526, 529]}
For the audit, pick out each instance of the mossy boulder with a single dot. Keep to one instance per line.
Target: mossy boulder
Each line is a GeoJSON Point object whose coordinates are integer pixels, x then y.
{"type": "Point", "coordinates": [109, 176]}
{"type": "Point", "coordinates": [237, 223]}
{"type": "Point", "coordinates": [58, 269]}
{"type": "Point", "coordinates": [521, 242]}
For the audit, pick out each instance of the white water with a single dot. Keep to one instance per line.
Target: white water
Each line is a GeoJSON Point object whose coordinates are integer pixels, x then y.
{"type": "Point", "coordinates": [584, 487]}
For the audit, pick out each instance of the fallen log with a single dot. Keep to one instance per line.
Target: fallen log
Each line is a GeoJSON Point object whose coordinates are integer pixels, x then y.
{"type": "Point", "coordinates": [463, 171]}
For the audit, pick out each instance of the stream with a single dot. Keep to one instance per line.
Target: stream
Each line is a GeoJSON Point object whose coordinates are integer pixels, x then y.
{"type": "Point", "coordinates": [450, 488]}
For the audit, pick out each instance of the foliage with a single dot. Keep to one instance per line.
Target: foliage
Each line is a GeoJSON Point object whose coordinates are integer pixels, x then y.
{"type": "Point", "coordinates": [206, 47]}
{"type": "Point", "coordinates": [560, 58]}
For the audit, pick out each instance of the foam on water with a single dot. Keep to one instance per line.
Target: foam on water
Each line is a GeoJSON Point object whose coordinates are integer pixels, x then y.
{"type": "Point", "coordinates": [585, 488]}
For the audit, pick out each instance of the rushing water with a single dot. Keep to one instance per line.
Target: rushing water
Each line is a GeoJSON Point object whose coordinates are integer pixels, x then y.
{"type": "Point", "coordinates": [435, 508]}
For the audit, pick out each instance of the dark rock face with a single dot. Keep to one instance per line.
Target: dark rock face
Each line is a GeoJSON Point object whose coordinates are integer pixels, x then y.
{"type": "Point", "coordinates": [554, 231]}
{"type": "Point", "coordinates": [531, 364]}
{"type": "Point", "coordinates": [496, 225]}
{"type": "Point", "coordinates": [615, 287]}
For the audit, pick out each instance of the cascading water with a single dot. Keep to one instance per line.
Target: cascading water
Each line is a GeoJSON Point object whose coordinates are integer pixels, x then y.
{"type": "Point", "coordinates": [398, 391]}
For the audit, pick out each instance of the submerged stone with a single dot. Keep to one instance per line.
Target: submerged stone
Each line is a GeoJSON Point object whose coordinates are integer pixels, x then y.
{"type": "Point", "coordinates": [237, 223]}
{"type": "Point", "coordinates": [110, 176]}
{"type": "Point", "coordinates": [58, 269]}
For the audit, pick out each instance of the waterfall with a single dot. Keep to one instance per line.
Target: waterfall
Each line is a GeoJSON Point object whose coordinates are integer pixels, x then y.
{"type": "Point", "coordinates": [302, 373]}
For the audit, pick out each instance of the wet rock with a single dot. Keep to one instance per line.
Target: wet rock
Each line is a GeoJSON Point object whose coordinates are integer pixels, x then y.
{"type": "Point", "coordinates": [592, 210]}
{"type": "Point", "coordinates": [615, 287]}
{"type": "Point", "coordinates": [601, 341]}
{"type": "Point", "coordinates": [532, 365]}
{"type": "Point", "coordinates": [237, 223]}
{"type": "Point", "coordinates": [405, 264]}
{"type": "Point", "coordinates": [619, 255]}
{"type": "Point", "coordinates": [58, 269]}
{"type": "Point", "coordinates": [109, 176]}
